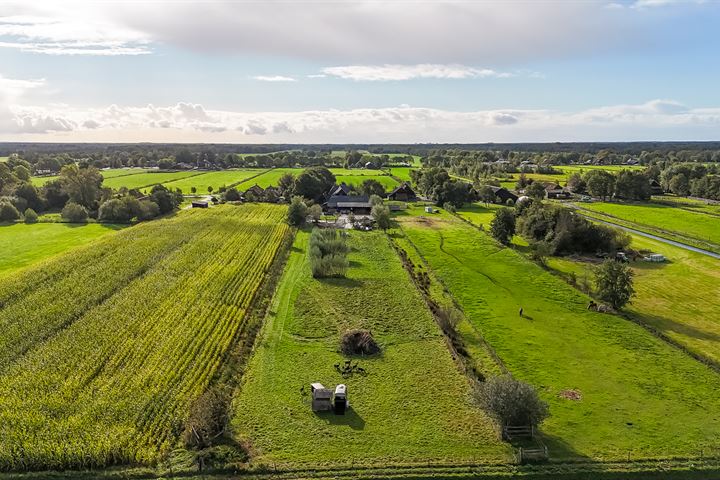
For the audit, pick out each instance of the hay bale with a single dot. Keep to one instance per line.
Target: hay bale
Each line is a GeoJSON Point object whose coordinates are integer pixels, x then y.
{"type": "Point", "coordinates": [358, 342]}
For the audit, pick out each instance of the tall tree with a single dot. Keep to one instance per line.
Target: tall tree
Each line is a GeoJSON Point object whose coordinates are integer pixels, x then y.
{"type": "Point", "coordinates": [614, 282]}
{"type": "Point", "coordinates": [82, 184]}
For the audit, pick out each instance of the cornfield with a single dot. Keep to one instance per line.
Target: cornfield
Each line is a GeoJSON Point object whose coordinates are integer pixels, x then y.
{"type": "Point", "coordinates": [103, 349]}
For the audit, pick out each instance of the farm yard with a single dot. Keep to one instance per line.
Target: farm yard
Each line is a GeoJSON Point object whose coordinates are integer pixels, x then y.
{"type": "Point", "coordinates": [653, 409]}
{"type": "Point", "coordinates": [102, 349]}
{"type": "Point", "coordinates": [413, 406]}
{"type": "Point", "coordinates": [22, 245]}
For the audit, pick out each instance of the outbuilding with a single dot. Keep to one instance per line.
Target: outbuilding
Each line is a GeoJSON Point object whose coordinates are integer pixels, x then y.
{"type": "Point", "coordinates": [199, 204]}
{"type": "Point", "coordinates": [403, 193]}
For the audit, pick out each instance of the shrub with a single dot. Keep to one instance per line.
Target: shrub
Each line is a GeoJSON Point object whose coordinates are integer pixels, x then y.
{"type": "Point", "coordinates": [232, 194]}
{"type": "Point", "coordinates": [147, 210]}
{"type": "Point", "coordinates": [207, 419]}
{"type": "Point", "coordinates": [114, 210]}
{"type": "Point", "coordinates": [297, 212]}
{"type": "Point", "coordinates": [328, 253]}
{"type": "Point", "coordinates": [30, 216]}
{"type": "Point", "coordinates": [512, 402]}
{"type": "Point", "coordinates": [315, 212]}
{"type": "Point", "coordinates": [74, 212]}
{"type": "Point", "coordinates": [8, 212]}
{"type": "Point", "coordinates": [358, 342]}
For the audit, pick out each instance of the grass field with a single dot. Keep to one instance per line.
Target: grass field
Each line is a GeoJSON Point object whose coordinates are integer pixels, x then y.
{"type": "Point", "coordinates": [403, 173]}
{"type": "Point", "coordinates": [102, 349]}
{"type": "Point", "coordinates": [413, 405]}
{"type": "Point", "coordinates": [213, 179]}
{"type": "Point", "coordinates": [141, 180]}
{"type": "Point", "coordinates": [679, 297]}
{"type": "Point", "coordinates": [388, 182]}
{"type": "Point", "coordinates": [689, 204]}
{"type": "Point", "coordinates": [353, 176]}
{"type": "Point", "coordinates": [641, 398]}
{"type": "Point", "coordinates": [22, 245]}
{"type": "Point", "coordinates": [667, 221]}
{"type": "Point", "coordinates": [40, 181]}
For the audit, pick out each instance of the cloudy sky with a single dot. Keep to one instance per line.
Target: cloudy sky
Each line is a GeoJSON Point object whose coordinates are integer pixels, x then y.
{"type": "Point", "coordinates": [335, 71]}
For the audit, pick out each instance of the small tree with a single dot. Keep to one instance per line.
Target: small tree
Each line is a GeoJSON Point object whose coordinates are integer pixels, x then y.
{"type": "Point", "coordinates": [210, 189]}
{"type": "Point", "coordinates": [614, 282]}
{"type": "Point", "coordinates": [74, 212]}
{"type": "Point", "coordinates": [315, 212]}
{"type": "Point", "coordinates": [486, 194]}
{"type": "Point", "coordinates": [193, 190]}
{"type": "Point", "coordinates": [512, 402]}
{"type": "Point", "coordinates": [502, 226]}
{"type": "Point", "coordinates": [358, 342]}
{"type": "Point", "coordinates": [30, 216]}
{"type": "Point", "coordinates": [297, 212]}
{"type": "Point", "coordinates": [8, 212]}
{"type": "Point", "coordinates": [381, 215]}
{"type": "Point", "coordinates": [536, 190]}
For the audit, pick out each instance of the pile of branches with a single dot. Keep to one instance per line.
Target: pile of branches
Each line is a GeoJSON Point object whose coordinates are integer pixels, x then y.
{"type": "Point", "coordinates": [358, 342]}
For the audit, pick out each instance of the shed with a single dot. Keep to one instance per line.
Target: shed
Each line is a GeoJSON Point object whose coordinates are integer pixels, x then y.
{"type": "Point", "coordinates": [428, 209]}
{"type": "Point", "coordinates": [321, 397]}
{"type": "Point", "coordinates": [656, 188]}
{"type": "Point", "coordinates": [348, 203]}
{"type": "Point", "coordinates": [199, 204]}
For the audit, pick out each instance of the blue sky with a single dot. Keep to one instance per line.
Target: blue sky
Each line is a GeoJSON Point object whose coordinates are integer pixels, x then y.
{"type": "Point", "coordinates": [359, 71]}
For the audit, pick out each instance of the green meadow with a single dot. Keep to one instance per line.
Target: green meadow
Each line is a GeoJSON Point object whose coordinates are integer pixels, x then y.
{"type": "Point", "coordinates": [147, 179]}
{"type": "Point", "coordinates": [388, 182]}
{"type": "Point", "coordinates": [639, 396]}
{"type": "Point", "coordinates": [413, 406]}
{"type": "Point", "coordinates": [213, 179]}
{"type": "Point", "coordinates": [677, 297]}
{"type": "Point", "coordinates": [22, 244]}
{"type": "Point", "coordinates": [663, 220]}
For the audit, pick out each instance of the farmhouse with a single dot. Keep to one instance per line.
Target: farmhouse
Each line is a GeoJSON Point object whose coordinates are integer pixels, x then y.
{"type": "Point", "coordinates": [502, 194]}
{"type": "Point", "coordinates": [341, 190]}
{"type": "Point", "coordinates": [402, 193]}
{"type": "Point", "coordinates": [554, 190]}
{"type": "Point", "coordinates": [348, 204]}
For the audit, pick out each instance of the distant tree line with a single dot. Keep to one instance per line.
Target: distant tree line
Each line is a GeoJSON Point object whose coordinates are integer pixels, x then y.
{"type": "Point", "coordinates": [78, 193]}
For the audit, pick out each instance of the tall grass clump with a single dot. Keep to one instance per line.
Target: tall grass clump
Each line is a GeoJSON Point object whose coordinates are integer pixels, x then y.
{"type": "Point", "coordinates": [328, 253]}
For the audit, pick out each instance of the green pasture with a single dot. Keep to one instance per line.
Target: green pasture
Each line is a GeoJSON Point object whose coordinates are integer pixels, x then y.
{"type": "Point", "coordinates": [214, 179]}
{"type": "Point", "coordinates": [148, 179]}
{"type": "Point", "coordinates": [691, 204]}
{"type": "Point", "coordinates": [663, 220]}
{"type": "Point", "coordinates": [388, 182]}
{"type": "Point", "coordinates": [122, 172]}
{"type": "Point", "coordinates": [357, 172]}
{"type": "Point", "coordinates": [40, 181]}
{"type": "Point", "coordinates": [414, 406]}
{"type": "Point", "coordinates": [640, 397]}
{"type": "Point", "coordinates": [24, 244]}
{"type": "Point", "coordinates": [677, 297]}
{"type": "Point", "coordinates": [403, 173]}
{"type": "Point", "coordinates": [270, 178]}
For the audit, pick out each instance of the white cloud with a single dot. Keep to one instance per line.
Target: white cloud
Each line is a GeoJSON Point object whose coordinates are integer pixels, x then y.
{"type": "Point", "coordinates": [407, 72]}
{"type": "Point", "coordinates": [358, 31]}
{"type": "Point", "coordinates": [68, 28]}
{"type": "Point", "coordinates": [653, 120]}
{"type": "Point", "coordinates": [273, 78]}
